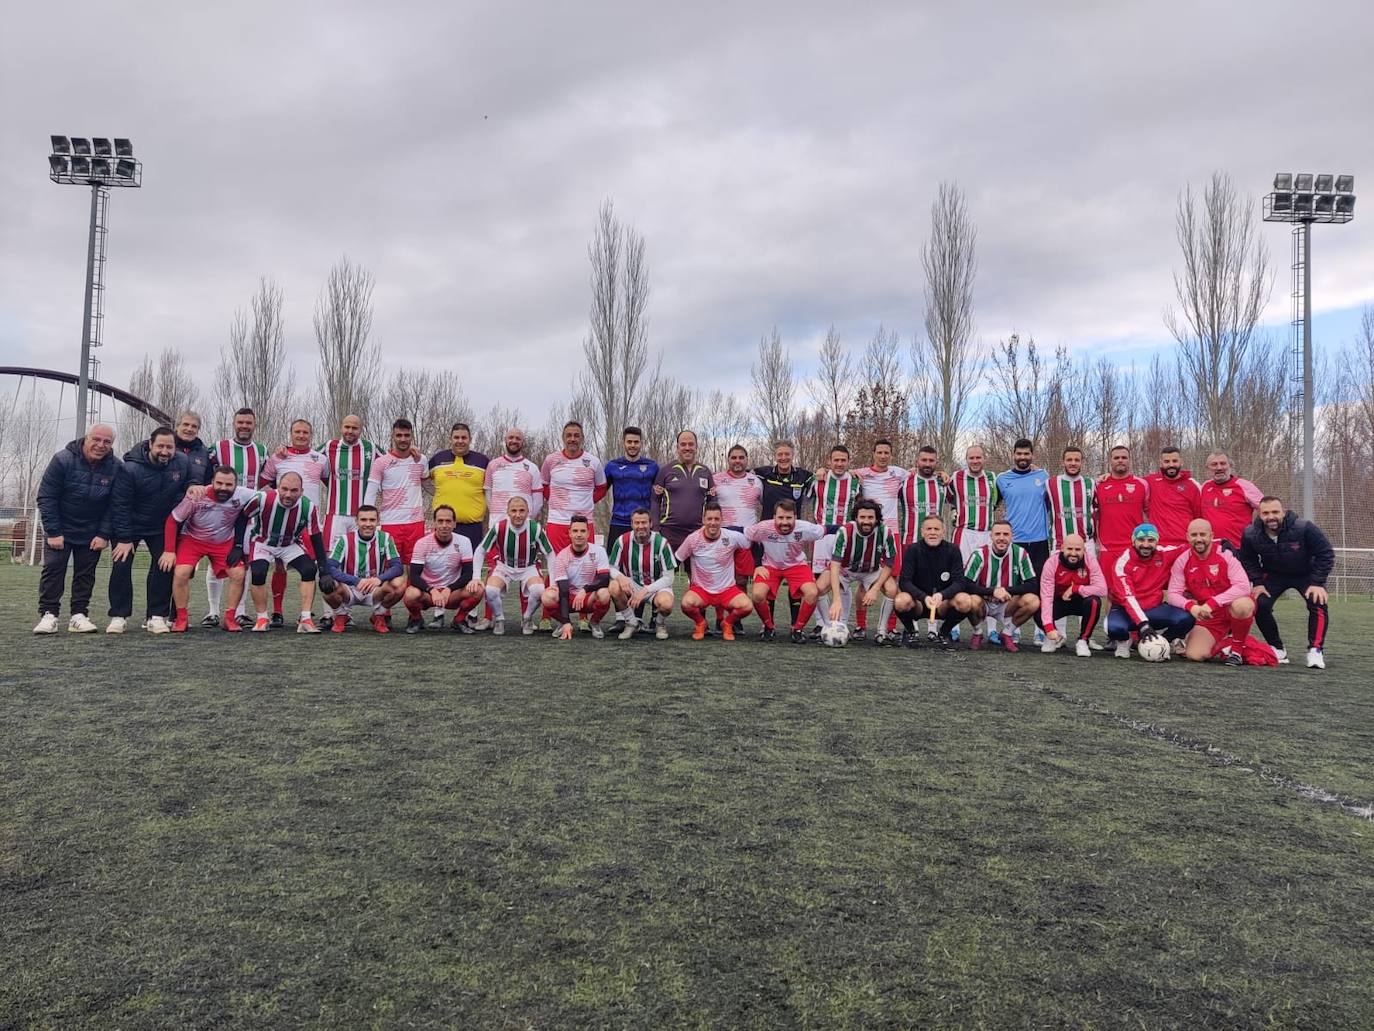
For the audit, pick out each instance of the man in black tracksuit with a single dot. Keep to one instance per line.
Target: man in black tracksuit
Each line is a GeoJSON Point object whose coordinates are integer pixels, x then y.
{"type": "Point", "coordinates": [153, 479]}
{"type": "Point", "coordinates": [1280, 552]}
{"type": "Point", "coordinates": [932, 577]}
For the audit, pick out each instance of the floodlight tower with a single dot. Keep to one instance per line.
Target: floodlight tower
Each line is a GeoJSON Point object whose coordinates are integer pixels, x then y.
{"type": "Point", "coordinates": [1303, 199]}
{"type": "Point", "coordinates": [100, 164]}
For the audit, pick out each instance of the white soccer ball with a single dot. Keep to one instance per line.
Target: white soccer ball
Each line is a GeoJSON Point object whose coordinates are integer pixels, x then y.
{"type": "Point", "coordinates": [835, 634]}
{"type": "Point", "coordinates": [1155, 649]}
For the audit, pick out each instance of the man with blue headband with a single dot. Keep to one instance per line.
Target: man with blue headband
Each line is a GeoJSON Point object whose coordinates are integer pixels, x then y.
{"type": "Point", "coordinates": [1136, 582]}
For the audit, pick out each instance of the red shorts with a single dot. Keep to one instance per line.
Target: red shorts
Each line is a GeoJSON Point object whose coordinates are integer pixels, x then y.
{"type": "Point", "coordinates": [1218, 626]}
{"type": "Point", "coordinates": [714, 599]}
{"type": "Point", "coordinates": [406, 536]}
{"type": "Point", "coordinates": [588, 605]}
{"type": "Point", "coordinates": [794, 575]}
{"type": "Point", "coordinates": [190, 551]}
{"type": "Point", "coordinates": [1106, 558]}
{"type": "Point", "coordinates": [744, 563]}
{"type": "Point", "coordinates": [558, 536]}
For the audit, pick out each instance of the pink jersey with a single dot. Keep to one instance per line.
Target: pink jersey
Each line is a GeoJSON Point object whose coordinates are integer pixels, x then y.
{"type": "Point", "coordinates": [580, 570]}
{"type": "Point", "coordinates": [208, 520]}
{"type": "Point", "coordinates": [783, 550]}
{"type": "Point", "coordinates": [312, 466]}
{"type": "Point", "coordinates": [572, 484]}
{"type": "Point", "coordinates": [713, 562]}
{"type": "Point", "coordinates": [739, 498]}
{"type": "Point", "coordinates": [1215, 579]}
{"type": "Point", "coordinates": [1230, 507]}
{"type": "Point", "coordinates": [443, 563]}
{"type": "Point", "coordinates": [394, 486]}
{"type": "Point", "coordinates": [884, 488]}
{"type": "Point", "coordinates": [508, 478]}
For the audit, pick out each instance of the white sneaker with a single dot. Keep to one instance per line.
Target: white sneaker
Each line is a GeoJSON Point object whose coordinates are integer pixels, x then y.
{"type": "Point", "coordinates": [1051, 644]}
{"type": "Point", "coordinates": [47, 625]}
{"type": "Point", "coordinates": [157, 625]}
{"type": "Point", "coordinates": [597, 632]}
{"type": "Point", "coordinates": [1123, 649]}
{"type": "Point", "coordinates": [80, 623]}
{"type": "Point", "coordinates": [630, 625]}
{"type": "Point", "coordinates": [479, 624]}
{"type": "Point", "coordinates": [498, 627]}
{"type": "Point", "coordinates": [1082, 649]}
{"type": "Point", "coordinates": [1282, 656]}
{"type": "Point", "coordinates": [1041, 639]}
{"type": "Point", "coordinates": [662, 632]}
{"type": "Point", "coordinates": [1180, 646]}
{"type": "Point", "coordinates": [1094, 645]}
{"type": "Point", "coordinates": [527, 627]}
{"type": "Point", "coordinates": [1315, 660]}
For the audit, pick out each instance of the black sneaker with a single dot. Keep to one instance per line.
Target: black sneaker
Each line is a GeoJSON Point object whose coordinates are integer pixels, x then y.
{"type": "Point", "coordinates": [911, 639]}
{"type": "Point", "coordinates": [879, 639]}
{"type": "Point", "coordinates": [815, 634]}
{"type": "Point", "coordinates": [859, 634]}
{"type": "Point", "coordinates": [768, 634]}
{"type": "Point", "coordinates": [245, 622]}
{"type": "Point", "coordinates": [210, 620]}
{"type": "Point", "coordinates": [462, 626]}
{"type": "Point", "coordinates": [326, 622]}
{"type": "Point", "coordinates": [277, 621]}
{"type": "Point", "coordinates": [415, 626]}
{"type": "Point", "coordinates": [1234, 658]}
{"type": "Point", "coordinates": [943, 642]}
{"type": "Point", "coordinates": [798, 637]}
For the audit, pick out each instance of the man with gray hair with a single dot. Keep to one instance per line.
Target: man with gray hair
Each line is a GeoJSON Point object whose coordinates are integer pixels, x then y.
{"type": "Point", "coordinates": [1229, 503]}
{"type": "Point", "coordinates": [188, 443]}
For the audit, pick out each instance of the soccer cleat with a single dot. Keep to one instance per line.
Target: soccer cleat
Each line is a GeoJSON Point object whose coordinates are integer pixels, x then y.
{"type": "Point", "coordinates": [815, 634]}
{"type": "Point", "coordinates": [1315, 659]}
{"type": "Point", "coordinates": [116, 626]}
{"type": "Point", "coordinates": [231, 626]}
{"type": "Point", "coordinates": [479, 622]}
{"type": "Point", "coordinates": [768, 633]}
{"type": "Point", "coordinates": [994, 637]}
{"type": "Point", "coordinates": [954, 634]}
{"type": "Point", "coordinates": [727, 631]}
{"type": "Point", "coordinates": [1123, 649]}
{"type": "Point", "coordinates": [527, 627]}
{"type": "Point", "coordinates": [437, 623]}
{"type": "Point", "coordinates": [1282, 656]}
{"type": "Point", "coordinates": [910, 639]}
{"type": "Point", "coordinates": [1010, 644]}
{"type": "Point", "coordinates": [859, 634]}
{"type": "Point", "coordinates": [597, 632]}
{"type": "Point", "coordinates": [798, 637]}
{"type": "Point", "coordinates": [327, 621]}
{"type": "Point", "coordinates": [1082, 649]}
{"type": "Point", "coordinates": [932, 634]}
{"type": "Point", "coordinates": [182, 624]}
{"type": "Point", "coordinates": [879, 639]}
{"type": "Point", "coordinates": [699, 630]}
{"type": "Point", "coordinates": [627, 628]}
{"type": "Point", "coordinates": [245, 622]}
{"type": "Point", "coordinates": [278, 621]}
{"type": "Point", "coordinates": [261, 625]}
{"type": "Point", "coordinates": [1040, 636]}
{"type": "Point", "coordinates": [462, 626]}
{"type": "Point", "coordinates": [306, 625]}
{"type": "Point", "coordinates": [975, 642]}
{"type": "Point", "coordinates": [1050, 644]}
{"type": "Point", "coordinates": [336, 626]}
{"type": "Point", "coordinates": [415, 625]}
{"type": "Point", "coordinates": [47, 625]}
{"type": "Point", "coordinates": [944, 642]}
{"type": "Point", "coordinates": [661, 633]}
{"type": "Point", "coordinates": [210, 620]}
{"type": "Point", "coordinates": [1233, 658]}
{"type": "Point", "coordinates": [1180, 646]}
{"type": "Point", "coordinates": [379, 625]}
{"type": "Point", "coordinates": [498, 628]}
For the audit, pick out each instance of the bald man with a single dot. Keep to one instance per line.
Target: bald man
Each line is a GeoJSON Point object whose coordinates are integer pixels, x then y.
{"type": "Point", "coordinates": [1209, 583]}
{"type": "Point", "coordinates": [1071, 584]}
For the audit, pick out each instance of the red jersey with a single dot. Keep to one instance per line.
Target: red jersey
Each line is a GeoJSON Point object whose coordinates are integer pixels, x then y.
{"type": "Point", "coordinates": [1137, 584]}
{"type": "Point", "coordinates": [1215, 579]}
{"type": "Point", "coordinates": [1173, 504]}
{"type": "Point", "coordinates": [1122, 505]}
{"type": "Point", "coordinates": [1230, 507]}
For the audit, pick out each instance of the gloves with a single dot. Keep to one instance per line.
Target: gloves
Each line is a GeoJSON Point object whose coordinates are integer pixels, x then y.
{"type": "Point", "coordinates": [1146, 630]}
{"type": "Point", "coordinates": [235, 556]}
{"type": "Point", "coordinates": [327, 583]}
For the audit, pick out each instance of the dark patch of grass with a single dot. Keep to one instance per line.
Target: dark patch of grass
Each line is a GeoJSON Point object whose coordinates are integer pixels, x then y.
{"type": "Point", "coordinates": [472, 831]}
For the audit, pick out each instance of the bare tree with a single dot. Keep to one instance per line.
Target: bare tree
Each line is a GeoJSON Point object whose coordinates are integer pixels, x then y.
{"type": "Point", "coordinates": [1112, 395]}
{"type": "Point", "coordinates": [489, 429]}
{"type": "Point", "coordinates": [254, 368]}
{"type": "Point", "coordinates": [1221, 291]}
{"type": "Point", "coordinates": [946, 364]}
{"type": "Point", "coordinates": [882, 360]}
{"type": "Point", "coordinates": [1020, 384]}
{"type": "Point", "coordinates": [832, 388]}
{"type": "Point", "coordinates": [616, 349]}
{"type": "Point", "coordinates": [31, 442]}
{"type": "Point", "coordinates": [432, 401]}
{"type": "Point", "coordinates": [131, 425]}
{"type": "Point", "coordinates": [774, 391]}
{"type": "Point", "coordinates": [165, 382]}
{"type": "Point", "coordinates": [721, 423]}
{"type": "Point", "coordinates": [350, 365]}
{"type": "Point", "coordinates": [669, 407]}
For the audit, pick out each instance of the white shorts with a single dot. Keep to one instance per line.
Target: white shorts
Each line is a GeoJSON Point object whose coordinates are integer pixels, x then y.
{"type": "Point", "coordinates": [824, 551]}
{"type": "Point", "coordinates": [864, 580]}
{"type": "Point", "coordinates": [970, 541]}
{"type": "Point", "coordinates": [285, 555]}
{"type": "Point", "coordinates": [635, 585]}
{"type": "Point", "coordinates": [355, 597]}
{"type": "Point", "coordinates": [520, 575]}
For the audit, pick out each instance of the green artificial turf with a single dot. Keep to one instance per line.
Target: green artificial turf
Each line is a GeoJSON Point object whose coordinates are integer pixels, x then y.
{"type": "Point", "coordinates": [449, 831]}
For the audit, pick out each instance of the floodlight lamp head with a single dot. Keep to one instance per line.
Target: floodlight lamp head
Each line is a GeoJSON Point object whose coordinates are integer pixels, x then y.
{"type": "Point", "coordinates": [1324, 203]}
{"type": "Point", "coordinates": [81, 145]}
{"type": "Point", "coordinates": [1345, 204]}
{"type": "Point", "coordinates": [1345, 184]}
{"type": "Point", "coordinates": [123, 148]}
{"type": "Point", "coordinates": [81, 166]}
{"type": "Point", "coordinates": [1322, 183]}
{"type": "Point", "coordinates": [100, 168]}
{"type": "Point", "coordinates": [61, 145]}
{"type": "Point", "coordinates": [1302, 203]}
{"type": "Point", "coordinates": [57, 164]}
{"type": "Point", "coordinates": [124, 169]}
{"type": "Point", "coordinates": [103, 147]}
{"type": "Point", "coordinates": [1283, 181]}
{"type": "Point", "coordinates": [1303, 181]}
{"type": "Point", "coordinates": [1283, 203]}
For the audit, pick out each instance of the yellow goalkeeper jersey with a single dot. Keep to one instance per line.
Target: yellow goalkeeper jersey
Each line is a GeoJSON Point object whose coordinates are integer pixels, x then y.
{"type": "Point", "coordinates": [458, 482]}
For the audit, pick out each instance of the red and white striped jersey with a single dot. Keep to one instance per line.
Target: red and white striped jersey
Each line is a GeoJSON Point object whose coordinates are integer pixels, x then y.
{"type": "Point", "coordinates": [863, 553]}
{"type": "Point", "coordinates": [781, 550]}
{"type": "Point", "coordinates": [973, 497]}
{"type": "Point", "coordinates": [517, 547]}
{"type": "Point", "coordinates": [739, 498]}
{"type": "Point", "coordinates": [507, 478]}
{"type": "Point", "coordinates": [443, 563]}
{"type": "Point", "coordinates": [572, 484]}
{"type": "Point", "coordinates": [883, 486]}
{"type": "Point", "coordinates": [349, 468]}
{"type": "Point", "coordinates": [1070, 503]}
{"type": "Point", "coordinates": [395, 487]}
{"type": "Point", "coordinates": [920, 496]}
{"type": "Point", "coordinates": [713, 562]}
{"type": "Point", "coordinates": [580, 570]}
{"type": "Point", "coordinates": [364, 557]}
{"type": "Point", "coordinates": [311, 465]}
{"type": "Point", "coordinates": [835, 492]}
{"type": "Point", "coordinates": [247, 460]}
{"type": "Point", "coordinates": [277, 524]}
{"type": "Point", "coordinates": [208, 520]}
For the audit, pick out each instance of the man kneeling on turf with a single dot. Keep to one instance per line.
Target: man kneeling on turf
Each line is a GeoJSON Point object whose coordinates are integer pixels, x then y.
{"type": "Point", "coordinates": [366, 568]}
{"type": "Point", "coordinates": [1210, 583]}
{"type": "Point", "coordinates": [581, 582]}
{"type": "Point", "coordinates": [642, 567]}
{"type": "Point", "coordinates": [1000, 578]}
{"type": "Point", "coordinates": [441, 575]}
{"type": "Point", "coordinates": [202, 526]}
{"type": "Point", "coordinates": [1071, 584]}
{"type": "Point", "coordinates": [518, 545]}
{"type": "Point", "coordinates": [1136, 582]}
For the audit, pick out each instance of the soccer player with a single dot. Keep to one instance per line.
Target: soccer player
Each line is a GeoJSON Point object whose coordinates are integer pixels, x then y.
{"type": "Point", "coordinates": [1022, 492]}
{"type": "Point", "coordinates": [366, 569]}
{"type": "Point", "coordinates": [313, 469]}
{"type": "Point", "coordinates": [782, 481]}
{"type": "Point", "coordinates": [1002, 582]}
{"type": "Point", "coordinates": [149, 485]}
{"type": "Point", "coordinates": [835, 489]}
{"type": "Point", "coordinates": [932, 582]}
{"type": "Point", "coordinates": [574, 481]}
{"type": "Point", "coordinates": [922, 494]}
{"type": "Point", "coordinates": [188, 443]}
{"type": "Point", "coordinates": [1120, 500]}
{"type": "Point", "coordinates": [863, 555]}
{"type": "Point", "coordinates": [1281, 552]}
{"type": "Point", "coordinates": [1175, 499]}
{"type": "Point", "coordinates": [206, 527]}
{"type": "Point", "coordinates": [1071, 584]}
{"type": "Point", "coordinates": [642, 567]}
{"type": "Point", "coordinates": [513, 548]}
{"type": "Point", "coordinates": [1210, 583]}
{"type": "Point", "coordinates": [511, 474]}
{"type": "Point", "coordinates": [1069, 499]}
{"type": "Point", "coordinates": [284, 527]}
{"type": "Point", "coordinates": [972, 494]}
{"type": "Point", "coordinates": [349, 459]}
{"type": "Point", "coordinates": [681, 490]}
{"type": "Point", "coordinates": [1229, 503]}
{"type": "Point", "coordinates": [630, 480]}
{"type": "Point", "coordinates": [247, 458]}
{"type": "Point", "coordinates": [1136, 583]}
{"type": "Point", "coordinates": [460, 477]}
{"type": "Point", "coordinates": [442, 575]}
{"type": "Point", "coordinates": [581, 581]}
{"type": "Point", "coordinates": [395, 486]}
{"type": "Point", "coordinates": [711, 552]}
{"type": "Point", "coordinates": [74, 504]}
{"type": "Point", "coordinates": [739, 491]}
{"type": "Point", "coordinates": [784, 539]}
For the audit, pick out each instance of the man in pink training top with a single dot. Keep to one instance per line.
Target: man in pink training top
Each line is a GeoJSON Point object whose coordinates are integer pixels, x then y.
{"type": "Point", "coordinates": [711, 551]}
{"type": "Point", "coordinates": [1071, 584]}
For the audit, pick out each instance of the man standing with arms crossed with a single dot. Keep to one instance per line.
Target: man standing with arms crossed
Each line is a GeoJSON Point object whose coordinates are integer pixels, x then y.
{"type": "Point", "coordinates": [1229, 503]}
{"type": "Point", "coordinates": [574, 481]}
{"type": "Point", "coordinates": [247, 458]}
{"type": "Point", "coordinates": [1281, 552]}
{"type": "Point", "coordinates": [1175, 499]}
{"type": "Point", "coordinates": [630, 479]}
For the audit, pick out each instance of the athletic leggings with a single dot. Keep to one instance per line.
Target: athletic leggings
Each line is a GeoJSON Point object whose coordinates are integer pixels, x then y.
{"type": "Point", "coordinates": [1087, 607]}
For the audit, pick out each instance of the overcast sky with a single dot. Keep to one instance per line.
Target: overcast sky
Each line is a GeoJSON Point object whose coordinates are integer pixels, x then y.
{"type": "Point", "coordinates": [779, 159]}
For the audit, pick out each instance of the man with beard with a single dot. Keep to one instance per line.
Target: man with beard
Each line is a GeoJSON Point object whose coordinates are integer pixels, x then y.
{"type": "Point", "coordinates": [1069, 499]}
{"type": "Point", "coordinates": [972, 494]}
{"type": "Point", "coordinates": [574, 481]}
{"type": "Point", "coordinates": [1120, 500]}
{"type": "Point", "coordinates": [1136, 583]}
{"type": "Point", "coordinates": [711, 578]}
{"type": "Point", "coordinates": [739, 492]}
{"type": "Point", "coordinates": [1021, 490]}
{"type": "Point", "coordinates": [1210, 583]}
{"type": "Point", "coordinates": [863, 556]}
{"type": "Point", "coordinates": [247, 458]}
{"type": "Point", "coordinates": [1281, 552]}
{"type": "Point", "coordinates": [932, 582]}
{"type": "Point", "coordinates": [1071, 584]}
{"type": "Point", "coordinates": [1175, 499]}
{"type": "Point", "coordinates": [510, 474]}
{"type": "Point", "coordinates": [1229, 503]}
{"type": "Point", "coordinates": [366, 569]}
{"type": "Point", "coordinates": [642, 567]}
{"type": "Point", "coordinates": [783, 540]}
{"type": "Point", "coordinates": [1001, 579]}
{"type": "Point", "coordinates": [630, 481]}
{"type": "Point", "coordinates": [149, 485]}
{"type": "Point", "coordinates": [203, 527]}
{"type": "Point", "coordinates": [349, 457]}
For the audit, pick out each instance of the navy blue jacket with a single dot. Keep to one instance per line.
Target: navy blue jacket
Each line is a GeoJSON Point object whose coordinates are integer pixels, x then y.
{"type": "Point", "coordinates": [202, 463]}
{"type": "Point", "coordinates": [1300, 553]}
{"type": "Point", "coordinates": [145, 494]}
{"type": "Point", "coordinates": [74, 497]}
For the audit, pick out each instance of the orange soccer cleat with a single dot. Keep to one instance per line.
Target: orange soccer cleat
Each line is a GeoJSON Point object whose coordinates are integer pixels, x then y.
{"type": "Point", "coordinates": [379, 624]}
{"type": "Point", "coordinates": [727, 631]}
{"type": "Point", "coordinates": [699, 630]}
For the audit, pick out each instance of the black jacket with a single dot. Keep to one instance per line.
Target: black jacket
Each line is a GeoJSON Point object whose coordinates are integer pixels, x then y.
{"type": "Point", "coordinates": [74, 497]}
{"type": "Point", "coordinates": [1301, 552]}
{"type": "Point", "coordinates": [145, 493]}
{"type": "Point", "coordinates": [202, 462]}
{"type": "Point", "coordinates": [927, 571]}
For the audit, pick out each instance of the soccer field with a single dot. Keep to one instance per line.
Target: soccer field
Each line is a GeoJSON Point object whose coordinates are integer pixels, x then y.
{"type": "Point", "coordinates": [475, 832]}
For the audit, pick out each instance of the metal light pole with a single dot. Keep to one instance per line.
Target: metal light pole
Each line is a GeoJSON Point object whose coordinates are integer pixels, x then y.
{"type": "Point", "coordinates": [100, 164]}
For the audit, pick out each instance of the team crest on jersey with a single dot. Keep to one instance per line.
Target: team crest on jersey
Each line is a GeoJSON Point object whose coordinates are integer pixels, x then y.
{"type": "Point", "coordinates": [1213, 570]}
{"type": "Point", "coordinates": [796, 493]}
{"type": "Point", "coordinates": [1180, 488]}
{"type": "Point", "coordinates": [701, 482]}
{"type": "Point", "coordinates": [1130, 488]}
{"type": "Point", "coordinates": [586, 462]}
{"type": "Point", "coordinates": [1226, 491]}
{"type": "Point", "coordinates": [644, 468]}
